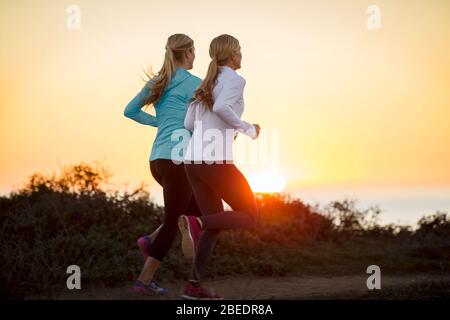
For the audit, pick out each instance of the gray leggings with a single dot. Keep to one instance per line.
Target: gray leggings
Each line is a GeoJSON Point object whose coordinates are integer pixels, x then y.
{"type": "Point", "coordinates": [210, 184]}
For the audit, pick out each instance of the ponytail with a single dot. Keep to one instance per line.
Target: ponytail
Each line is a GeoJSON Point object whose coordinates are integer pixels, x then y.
{"type": "Point", "coordinates": [175, 47]}
{"type": "Point", "coordinates": [204, 92]}
{"type": "Point", "coordinates": [220, 51]}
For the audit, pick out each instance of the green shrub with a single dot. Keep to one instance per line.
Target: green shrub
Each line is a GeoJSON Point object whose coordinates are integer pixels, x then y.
{"type": "Point", "coordinates": [56, 221]}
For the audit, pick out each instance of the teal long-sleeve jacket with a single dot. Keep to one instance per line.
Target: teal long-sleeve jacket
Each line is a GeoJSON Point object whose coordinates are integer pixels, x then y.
{"type": "Point", "coordinates": [170, 111]}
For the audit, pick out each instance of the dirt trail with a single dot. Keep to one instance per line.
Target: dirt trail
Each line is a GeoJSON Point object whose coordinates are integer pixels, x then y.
{"type": "Point", "coordinates": [290, 287]}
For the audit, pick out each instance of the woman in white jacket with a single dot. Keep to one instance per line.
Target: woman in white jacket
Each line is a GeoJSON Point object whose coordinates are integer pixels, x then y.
{"type": "Point", "coordinates": [214, 119]}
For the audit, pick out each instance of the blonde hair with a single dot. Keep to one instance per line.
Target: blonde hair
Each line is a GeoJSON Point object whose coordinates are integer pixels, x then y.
{"type": "Point", "coordinates": [220, 51]}
{"type": "Point", "coordinates": [176, 46]}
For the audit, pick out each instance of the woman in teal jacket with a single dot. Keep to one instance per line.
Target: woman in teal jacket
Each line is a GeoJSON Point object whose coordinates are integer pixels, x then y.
{"type": "Point", "coordinates": [169, 91]}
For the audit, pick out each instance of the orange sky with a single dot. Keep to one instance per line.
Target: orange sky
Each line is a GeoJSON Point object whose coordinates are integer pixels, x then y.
{"type": "Point", "coordinates": [352, 106]}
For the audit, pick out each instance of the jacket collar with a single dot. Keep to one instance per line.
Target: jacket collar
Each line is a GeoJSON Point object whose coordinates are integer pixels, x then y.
{"type": "Point", "coordinates": [227, 69]}
{"type": "Point", "coordinates": [178, 77]}
{"type": "Point", "coordinates": [180, 69]}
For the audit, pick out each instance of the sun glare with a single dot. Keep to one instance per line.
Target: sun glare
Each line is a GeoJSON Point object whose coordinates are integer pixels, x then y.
{"type": "Point", "coordinates": [267, 182]}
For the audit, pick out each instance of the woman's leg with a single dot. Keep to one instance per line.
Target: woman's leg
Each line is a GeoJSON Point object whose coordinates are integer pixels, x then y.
{"type": "Point", "coordinates": [153, 235]}
{"type": "Point", "coordinates": [157, 176]}
{"type": "Point", "coordinates": [145, 241]}
{"type": "Point", "coordinates": [192, 210]}
{"type": "Point", "coordinates": [177, 194]}
{"type": "Point", "coordinates": [230, 185]}
{"type": "Point", "coordinates": [209, 203]}
{"type": "Point", "coordinates": [211, 184]}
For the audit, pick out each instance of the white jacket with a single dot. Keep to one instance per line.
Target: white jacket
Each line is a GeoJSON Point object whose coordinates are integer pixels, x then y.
{"type": "Point", "coordinates": [213, 132]}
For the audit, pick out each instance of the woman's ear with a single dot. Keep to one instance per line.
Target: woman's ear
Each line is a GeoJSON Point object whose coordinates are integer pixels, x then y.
{"type": "Point", "coordinates": [188, 53]}
{"type": "Point", "coordinates": [233, 56]}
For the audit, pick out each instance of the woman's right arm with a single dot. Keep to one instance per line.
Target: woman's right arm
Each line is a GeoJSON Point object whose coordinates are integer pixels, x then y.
{"type": "Point", "coordinates": [133, 108]}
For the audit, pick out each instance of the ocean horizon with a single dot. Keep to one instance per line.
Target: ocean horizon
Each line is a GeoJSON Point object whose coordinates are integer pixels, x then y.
{"type": "Point", "coordinates": [398, 205]}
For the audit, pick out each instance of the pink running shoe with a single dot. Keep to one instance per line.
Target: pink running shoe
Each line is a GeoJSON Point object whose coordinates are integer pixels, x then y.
{"type": "Point", "coordinates": [198, 292]}
{"type": "Point", "coordinates": [190, 233]}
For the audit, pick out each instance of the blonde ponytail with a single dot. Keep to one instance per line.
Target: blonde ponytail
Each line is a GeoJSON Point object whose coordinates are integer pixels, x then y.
{"type": "Point", "coordinates": [220, 51]}
{"type": "Point", "coordinates": [175, 47]}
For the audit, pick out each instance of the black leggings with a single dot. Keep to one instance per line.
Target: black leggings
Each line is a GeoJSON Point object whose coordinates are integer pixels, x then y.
{"type": "Point", "coordinates": [178, 200]}
{"type": "Point", "coordinates": [211, 183]}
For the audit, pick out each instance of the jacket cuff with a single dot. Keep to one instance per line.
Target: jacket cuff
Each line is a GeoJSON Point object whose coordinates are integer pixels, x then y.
{"type": "Point", "coordinates": [249, 131]}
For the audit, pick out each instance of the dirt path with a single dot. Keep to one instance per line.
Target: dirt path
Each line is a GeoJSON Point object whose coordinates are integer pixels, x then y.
{"type": "Point", "coordinates": [291, 287]}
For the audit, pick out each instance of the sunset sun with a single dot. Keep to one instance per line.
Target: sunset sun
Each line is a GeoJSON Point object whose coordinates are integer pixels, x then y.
{"type": "Point", "coordinates": [267, 182]}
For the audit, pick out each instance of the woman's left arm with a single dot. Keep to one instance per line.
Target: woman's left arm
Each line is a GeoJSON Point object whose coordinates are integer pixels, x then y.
{"type": "Point", "coordinates": [231, 91]}
{"type": "Point", "coordinates": [134, 112]}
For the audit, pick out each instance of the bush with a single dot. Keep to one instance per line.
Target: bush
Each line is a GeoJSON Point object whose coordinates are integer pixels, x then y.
{"type": "Point", "coordinates": [437, 224]}
{"type": "Point", "coordinates": [56, 221]}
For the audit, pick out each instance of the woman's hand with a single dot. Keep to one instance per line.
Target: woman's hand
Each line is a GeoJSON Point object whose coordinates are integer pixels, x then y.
{"type": "Point", "coordinates": [258, 129]}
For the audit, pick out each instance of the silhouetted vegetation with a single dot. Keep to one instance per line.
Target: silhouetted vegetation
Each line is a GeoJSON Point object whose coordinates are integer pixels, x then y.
{"type": "Point", "coordinates": [56, 221]}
